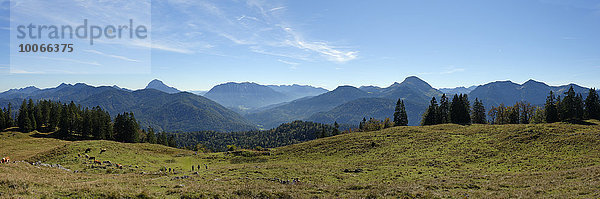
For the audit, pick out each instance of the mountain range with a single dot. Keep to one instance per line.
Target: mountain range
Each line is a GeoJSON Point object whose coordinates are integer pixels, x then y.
{"type": "Point", "coordinates": [457, 90]}
{"type": "Point", "coordinates": [246, 96]}
{"type": "Point", "coordinates": [266, 106]}
{"type": "Point", "coordinates": [508, 93]}
{"type": "Point", "coordinates": [348, 104]}
{"type": "Point", "coordinates": [153, 108]}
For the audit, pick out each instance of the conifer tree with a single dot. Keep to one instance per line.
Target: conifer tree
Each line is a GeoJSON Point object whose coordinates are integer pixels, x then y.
{"type": "Point", "coordinates": [444, 110]}
{"type": "Point", "coordinates": [336, 128]}
{"type": "Point", "coordinates": [570, 108]}
{"type": "Point", "coordinates": [172, 142]}
{"type": "Point", "coordinates": [31, 113]}
{"type": "Point", "coordinates": [397, 113]}
{"type": "Point", "coordinates": [38, 117]}
{"type": "Point", "coordinates": [592, 105]}
{"type": "Point", "coordinates": [126, 128]}
{"type": "Point", "coordinates": [459, 110]}
{"type": "Point", "coordinates": [27, 124]}
{"type": "Point", "coordinates": [46, 107]}
{"type": "Point", "coordinates": [55, 115]}
{"type": "Point", "coordinates": [9, 116]}
{"type": "Point", "coordinates": [478, 113]}
{"type": "Point", "coordinates": [513, 114]}
{"type": "Point", "coordinates": [162, 139]}
{"type": "Point", "coordinates": [466, 110]}
{"type": "Point", "coordinates": [430, 116]}
{"type": "Point", "coordinates": [551, 109]}
{"type": "Point", "coordinates": [22, 116]}
{"type": "Point", "coordinates": [151, 136]}
{"type": "Point", "coordinates": [579, 107]}
{"type": "Point", "coordinates": [402, 118]}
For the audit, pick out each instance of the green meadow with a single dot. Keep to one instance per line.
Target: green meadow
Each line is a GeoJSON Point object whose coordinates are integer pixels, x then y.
{"type": "Point", "coordinates": [556, 160]}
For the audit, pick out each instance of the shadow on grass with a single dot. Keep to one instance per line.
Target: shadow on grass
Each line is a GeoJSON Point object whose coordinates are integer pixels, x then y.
{"type": "Point", "coordinates": [581, 122]}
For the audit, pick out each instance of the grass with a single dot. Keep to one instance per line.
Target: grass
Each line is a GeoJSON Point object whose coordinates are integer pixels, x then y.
{"type": "Point", "coordinates": [444, 161]}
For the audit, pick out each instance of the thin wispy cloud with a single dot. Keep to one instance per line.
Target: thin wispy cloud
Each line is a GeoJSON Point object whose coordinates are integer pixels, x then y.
{"type": "Point", "coordinates": [19, 71]}
{"type": "Point", "coordinates": [276, 9]}
{"type": "Point", "coordinates": [451, 70]}
{"type": "Point", "coordinates": [256, 25]}
{"type": "Point", "coordinates": [288, 62]}
{"type": "Point", "coordinates": [293, 65]}
{"type": "Point", "coordinates": [112, 56]}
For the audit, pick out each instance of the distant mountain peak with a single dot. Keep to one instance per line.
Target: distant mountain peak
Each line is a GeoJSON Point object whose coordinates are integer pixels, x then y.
{"type": "Point", "coordinates": [159, 85]}
{"type": "Point", "coordinates": [26, 89]}
{"type": "Point", "coordinates": [415, 82]}
{"type": "Point", "coordinates": [62, 85]}
{"type": "Point", "coordinates": [345, 87]}
{"type": "Point", "coordinates": [533, 82]}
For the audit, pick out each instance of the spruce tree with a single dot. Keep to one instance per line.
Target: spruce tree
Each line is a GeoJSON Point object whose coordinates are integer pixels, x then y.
{"type": "Point", "coordinates": [513, 114]}
{"type": "Point", "coordinates": [478, 113]}
{"type": "Point", "coordinates": [63, 124]}
{"type": "Point", "coordinates": [444, 110]}
{"type": "Point", "coordinates": [569, 106]}
{"type": "Point", "coordinates": [551, 109]}
{"type": "Point", "coordinates": [579, 107]}
{"type": "Point", "coordinates": [430, 116]}
{"type": "Point", "coordinates": [336, 128]}
{"type": "Point", "coordinates": [592, 105]}
{"type": "Point", "coordinates": [27, 124]}
{"type": "Point", "coordinates": [162, 139]}
{"type": "Point", "coordinates": [9, 117]}
{"type": "Point", "coordinates": [55, 114]}
{"type": "Point", "coordinates": [397, 113]}
{"type": "Point", "coordinates": [403, 116]}
{"type": "Point", "coordinates": [22, 116]}
{"type": "Point", "coordinates": [39, 118]}
{"type": "Point", "coordinates": [31, 113]}
{"type": "Point", "coordinates": [172, 142]}
{"type": "Point", "coordinates": [466, 109]}
{"type": "Point", "coordinates": [46, 109]}
{"type": "Point", "coordinates": [456, 110]}
{"type": "Point", "coordinates": [151, 136]}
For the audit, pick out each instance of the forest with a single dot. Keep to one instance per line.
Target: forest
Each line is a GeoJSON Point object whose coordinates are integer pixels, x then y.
{"type": "Point", "coordinates": [74, 122]}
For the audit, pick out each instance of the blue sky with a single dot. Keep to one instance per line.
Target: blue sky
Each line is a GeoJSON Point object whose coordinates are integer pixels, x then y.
{"type": "Point", "coordinates": [197, 44]}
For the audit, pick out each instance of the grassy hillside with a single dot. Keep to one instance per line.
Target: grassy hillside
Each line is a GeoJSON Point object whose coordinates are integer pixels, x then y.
{"type": "Point", "coordinates": [479, 161]}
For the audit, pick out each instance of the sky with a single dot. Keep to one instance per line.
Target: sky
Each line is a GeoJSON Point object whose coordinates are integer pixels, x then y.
{"type": "Point", "coordinates": [197, 44]}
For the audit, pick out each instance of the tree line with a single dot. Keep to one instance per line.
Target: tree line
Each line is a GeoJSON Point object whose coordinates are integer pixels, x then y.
{"type": "Point", "coordinates": [457, 111]}
{"type": "Point", "coordinates": [571, 108]}
{"type": "Point", "coordinates": [74, 122]}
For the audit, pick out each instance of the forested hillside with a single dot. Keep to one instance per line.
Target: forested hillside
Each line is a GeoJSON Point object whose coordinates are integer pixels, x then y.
{"type": "Point", "coordinates": [286, 134]}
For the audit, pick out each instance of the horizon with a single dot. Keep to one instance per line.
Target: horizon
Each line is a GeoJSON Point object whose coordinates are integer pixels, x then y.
{"type": "Point", "coordinates": [328, 44]}
{"type": "Point", "coordinates": [328, 89]}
